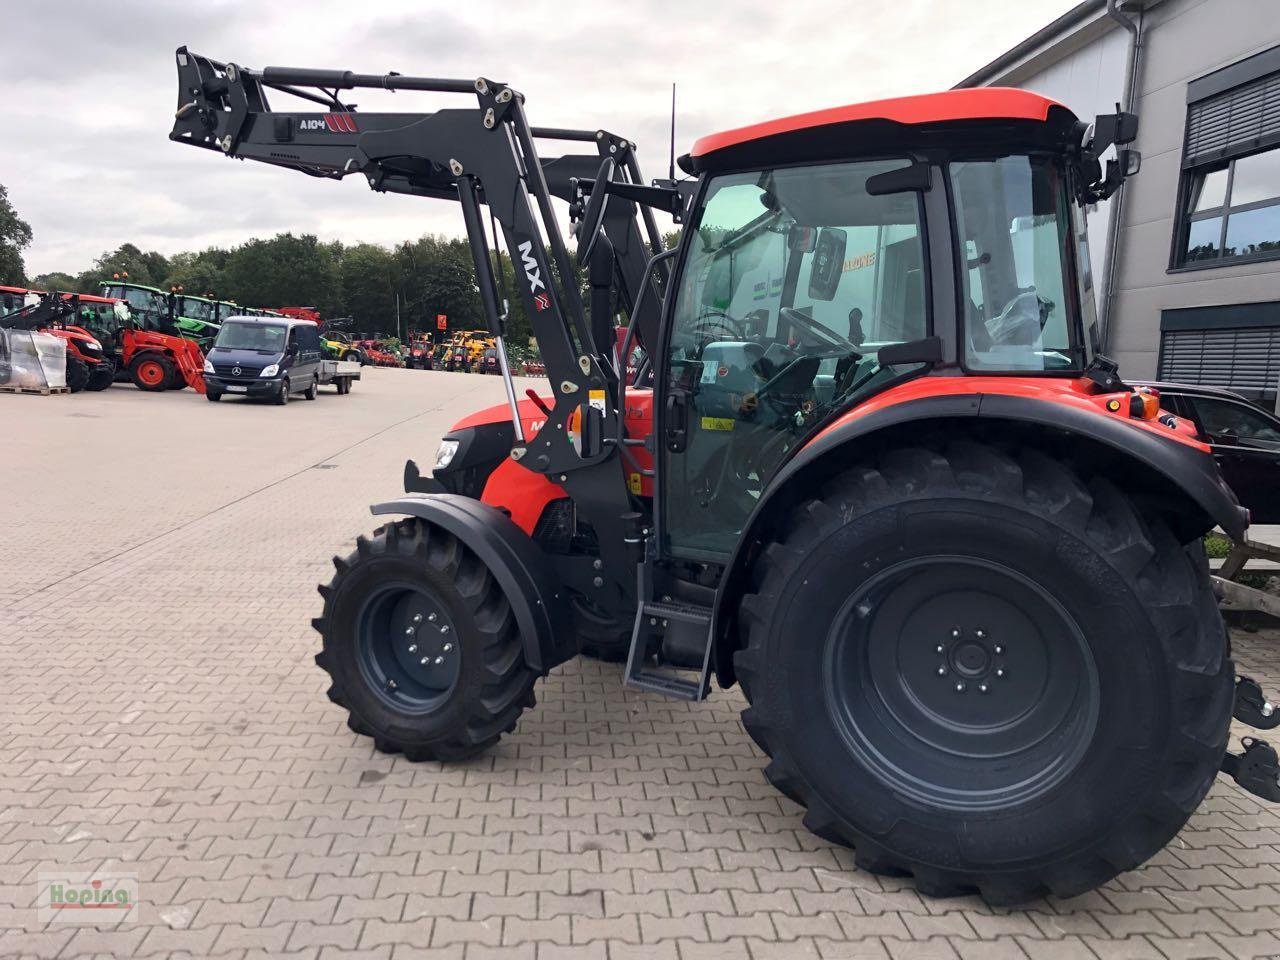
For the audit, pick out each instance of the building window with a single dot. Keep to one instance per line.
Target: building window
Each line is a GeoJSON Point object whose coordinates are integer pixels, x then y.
{"type": "Point", "coordinates": [1236, 346]}
{"type": "Point", "coordinates": [1229, 201]}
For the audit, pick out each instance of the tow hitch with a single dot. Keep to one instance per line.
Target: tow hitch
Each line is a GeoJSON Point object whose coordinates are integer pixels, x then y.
{"type": "Point", "coordinates": [1252, 707]}
{"type": "Point", "coordinates": [1256, 769]}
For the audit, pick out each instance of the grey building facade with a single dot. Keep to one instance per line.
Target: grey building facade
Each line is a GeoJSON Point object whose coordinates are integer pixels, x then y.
{"type": "Point", "coordinates": [1186, 258]}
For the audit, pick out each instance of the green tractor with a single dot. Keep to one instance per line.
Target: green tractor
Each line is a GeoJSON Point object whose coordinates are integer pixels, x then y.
{"type": "Point", "coordinates": [190, 317]}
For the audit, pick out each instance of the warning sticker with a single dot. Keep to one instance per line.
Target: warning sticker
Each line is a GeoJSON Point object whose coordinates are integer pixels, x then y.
{"type": "Point", "coordinates": [633, 482]}
{"type": "Point", "coordinates": [596, 399]}
{"type": "Point", "coordinates": [717, 423]}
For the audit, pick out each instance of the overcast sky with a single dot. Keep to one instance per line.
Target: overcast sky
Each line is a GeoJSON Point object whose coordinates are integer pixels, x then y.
{"type": "Point", "coordinates": [91, 89]}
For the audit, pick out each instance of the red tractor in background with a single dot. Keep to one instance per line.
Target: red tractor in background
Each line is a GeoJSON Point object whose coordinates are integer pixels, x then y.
{"type": "Point", "coordinates": [872, 467]}
{"type": "Point", "coordinates": [301, 313]}
{"type": "Point", "coordinates": [89, 365]}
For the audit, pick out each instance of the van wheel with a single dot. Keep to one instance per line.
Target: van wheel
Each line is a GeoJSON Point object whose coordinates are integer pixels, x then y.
{"type": "Point", "coordinates": [313, 389]}
{"type": "Point", "coordinates": [283, 396]}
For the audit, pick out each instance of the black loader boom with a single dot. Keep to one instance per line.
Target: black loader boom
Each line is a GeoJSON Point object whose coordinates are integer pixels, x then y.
{"type": "Point", "coordinates": [481, 155]}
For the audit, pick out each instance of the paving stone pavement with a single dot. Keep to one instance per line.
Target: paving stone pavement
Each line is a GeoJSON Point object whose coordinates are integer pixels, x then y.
{"type": "Point", "coordinates": [161, 716]}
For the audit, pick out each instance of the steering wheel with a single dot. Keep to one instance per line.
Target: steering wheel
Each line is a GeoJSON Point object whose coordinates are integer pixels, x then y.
{"type": "Point", "coordinates": [716, 325]}
{"type": "Point", "coordinates": [818, 331]}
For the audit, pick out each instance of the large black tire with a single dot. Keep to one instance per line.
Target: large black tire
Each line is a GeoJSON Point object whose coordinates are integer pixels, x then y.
{"type": "Point", "coordinates": [77, 374]}
{"type": "Point", "coordinates": [151, 371]}
{"type": "Point", "coordinates": [312, 390]}
{"type": "Point", "coordinates": [978, 669]}
{"type": "Point", "coordinates": [282, 395]}
{"type": "Point", "coordinates": [603, 637]}
{"type": "Point", "coordinates": [428, 709]}
{"type": "Point", "coordinates": [101, 375]}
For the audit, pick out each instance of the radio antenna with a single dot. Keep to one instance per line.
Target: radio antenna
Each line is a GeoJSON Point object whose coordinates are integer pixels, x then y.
{"type": "Point", "coordinates": [671, 161]}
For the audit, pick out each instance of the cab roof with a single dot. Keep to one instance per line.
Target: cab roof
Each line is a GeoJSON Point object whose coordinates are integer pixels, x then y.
{"type": "Point", "coordinates": [983, 105]}
{"type": "Point", "coordinates": [289, 322]}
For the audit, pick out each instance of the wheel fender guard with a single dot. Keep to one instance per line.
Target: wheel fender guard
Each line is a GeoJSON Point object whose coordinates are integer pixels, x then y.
{"type": "Point", "coordinates": [1184, 467]}
{"type": "Point", "coordinates": [521, 568]}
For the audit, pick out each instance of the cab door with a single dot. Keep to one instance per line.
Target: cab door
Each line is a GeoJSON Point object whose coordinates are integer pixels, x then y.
{"type": "Point", "coordinates": [792, 281]}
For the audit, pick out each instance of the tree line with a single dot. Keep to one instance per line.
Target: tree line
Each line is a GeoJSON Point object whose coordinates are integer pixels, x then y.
{"type": "Point", "coordinates": [420, 279]}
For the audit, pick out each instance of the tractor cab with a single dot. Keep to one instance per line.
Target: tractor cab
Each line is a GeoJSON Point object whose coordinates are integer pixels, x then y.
{"type": "Point", "coordinates": [807, 288]}
{"type": "Point", "coordinates": [198, 318]}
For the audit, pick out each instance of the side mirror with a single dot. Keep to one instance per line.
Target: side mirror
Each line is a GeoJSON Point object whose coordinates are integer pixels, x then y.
{"type": "Point", "coordinates": [291, 348]}
{"type": "Point", "coordinates": [828, 263]}
{"type": "Point", "coordinates": [593, 215]}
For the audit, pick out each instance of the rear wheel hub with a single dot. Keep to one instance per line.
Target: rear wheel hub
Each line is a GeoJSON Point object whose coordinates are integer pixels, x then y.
{"type": "Point", "coordinates": [962, 683]}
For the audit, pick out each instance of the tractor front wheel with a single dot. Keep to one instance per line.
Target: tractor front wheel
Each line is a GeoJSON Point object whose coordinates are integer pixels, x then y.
{"type": "Point", "coordinates": [986, 671]}
{"type": "Point", "coordinates": [421, 645]}
{"type": "Point", "coordinates": [101, 375]}
{"type": "Point", "coordinates": [77, 374]}
{"type": "Point", "coordinates": [152, 372]}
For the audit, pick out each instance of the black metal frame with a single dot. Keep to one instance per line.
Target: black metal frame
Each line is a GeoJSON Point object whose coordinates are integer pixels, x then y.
{"type": "Point", "coordinates": [482, 156]}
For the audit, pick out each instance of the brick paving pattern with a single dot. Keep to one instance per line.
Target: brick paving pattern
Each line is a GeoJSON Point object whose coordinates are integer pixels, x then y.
{"type": "Point", "coordinates": [162, 716]}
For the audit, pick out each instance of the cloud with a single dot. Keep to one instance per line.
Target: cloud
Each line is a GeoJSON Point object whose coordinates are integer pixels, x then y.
{"type": "Point", "coordinates": [88, 163]}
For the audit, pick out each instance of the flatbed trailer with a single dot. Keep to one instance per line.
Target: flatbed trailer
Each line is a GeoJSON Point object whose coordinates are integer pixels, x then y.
{"type": "Point", "coordinates": [341, 373]}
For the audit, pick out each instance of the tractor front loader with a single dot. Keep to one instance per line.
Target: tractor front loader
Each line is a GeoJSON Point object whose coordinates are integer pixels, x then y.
{"type": "Point", "coordinates": [89, 367]}
{"type": "Point", "coordinates": [871, 467]}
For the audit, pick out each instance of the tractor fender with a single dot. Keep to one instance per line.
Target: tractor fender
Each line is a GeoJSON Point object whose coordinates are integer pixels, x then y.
{"type": "Point", "coordinates": [523, 571]}
{"type": "Point", "coordinates": [1184, 467]}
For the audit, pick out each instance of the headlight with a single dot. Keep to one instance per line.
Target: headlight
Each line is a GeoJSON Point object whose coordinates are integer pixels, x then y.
{"type": "Point", "coordinates": [444, 456]}
{"type": "Point", "coordinates": [94, 344]}
{"type": "Point", "coordinates": [270, 371]}
{"type": "Point", "coordinates": [208, 365]}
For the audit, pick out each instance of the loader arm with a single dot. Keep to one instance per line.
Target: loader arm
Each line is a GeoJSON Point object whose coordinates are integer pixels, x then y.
{"type": "Point", "coordinates": [480, 155]}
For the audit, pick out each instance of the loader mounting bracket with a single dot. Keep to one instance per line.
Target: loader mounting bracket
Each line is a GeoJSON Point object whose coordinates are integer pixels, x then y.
{"type": "Point", "coordinates": [1253, 708]}
{"type": "Point", "coordinates": [1256, 769]}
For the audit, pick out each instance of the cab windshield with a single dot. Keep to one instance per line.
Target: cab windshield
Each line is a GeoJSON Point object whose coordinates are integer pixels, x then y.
{"type": "Point", "coordinates": [198, 309]}
{"type": "Point", "coordinates": [150, 306]}
{"type": "Point", "coordinates": [263, 337]}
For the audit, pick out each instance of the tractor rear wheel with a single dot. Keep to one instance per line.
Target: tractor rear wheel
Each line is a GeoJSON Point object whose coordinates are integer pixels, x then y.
{"type": "Point", "coordinates": [981, 669]}
{"type": "Point", "coordinates": [101, 375]}
{"type": "Point", "coordinates": [421, 645]}
{"type": "Point", "coordinates": [77, 374]}
{"type": "Point", "coordinates": [151, 371]}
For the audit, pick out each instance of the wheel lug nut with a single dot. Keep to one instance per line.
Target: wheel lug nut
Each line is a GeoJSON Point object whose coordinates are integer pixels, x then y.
{"type": "Point", "coordinates": [447, 647]}
{"type": "Point", "coordinates": [431, 617]}
{"type": "Point", "coordinates": [983, 688]}
{"type": "Point", "coordinates": [980, 634]}
{"type": "Point", "coordinates": [942, 671]}
{"type": "Point", "coordinates": [425, 660]}
{"type": "Point", "coordinates": [939, 648]}
{"type": "Point", "coordinates": [960, 687]}
{"type": "Point", "coordinates": [417, 618]}
{"type": "Point", "coordinates": [439, 660]}
{"type": "Point", "coordinates": [391, 684]}
{"type": "Point", "coordinates": [408, 631]}
{"type": "Point", "coordinates": [413, 648]}
{"type": "Point", "coordinates": [999, 673]}
{"type": "Point", "coordinates": [445, 628]}
{"type": "Point", "coordinates": [999, 649]}
{"type": "Point", "coordinates": [955, 632]}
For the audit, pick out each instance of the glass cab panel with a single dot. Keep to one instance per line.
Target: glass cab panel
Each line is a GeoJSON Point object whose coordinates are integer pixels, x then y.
{"type": "Point", "coordinates": [793, 279]}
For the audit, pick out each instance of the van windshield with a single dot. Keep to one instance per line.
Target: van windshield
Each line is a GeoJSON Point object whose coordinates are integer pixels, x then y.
{"type": "Point", "coordinates": [263, 337]}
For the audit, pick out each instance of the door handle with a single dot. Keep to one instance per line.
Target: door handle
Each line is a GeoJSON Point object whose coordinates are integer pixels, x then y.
{"type": "Point", "coordinates": [677, 421]}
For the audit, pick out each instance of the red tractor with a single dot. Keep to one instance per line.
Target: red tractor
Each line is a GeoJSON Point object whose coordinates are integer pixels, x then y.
{"type": "Point", "coordinates": [882, 477]}
{"type": "Point", "coordinates": [89, 366]}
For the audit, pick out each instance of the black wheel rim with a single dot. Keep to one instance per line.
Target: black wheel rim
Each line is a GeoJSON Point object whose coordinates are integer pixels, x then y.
{"type": "Point", "coordinates": [407, 647]}
{"type": "Point", "coordinates": [961, 683]}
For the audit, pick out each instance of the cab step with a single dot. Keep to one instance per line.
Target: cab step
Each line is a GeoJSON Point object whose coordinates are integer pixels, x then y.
{"type": "Point", "coordinates": [1256, 769]}
{"type": "Point", "coordinates": [671, 650]}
